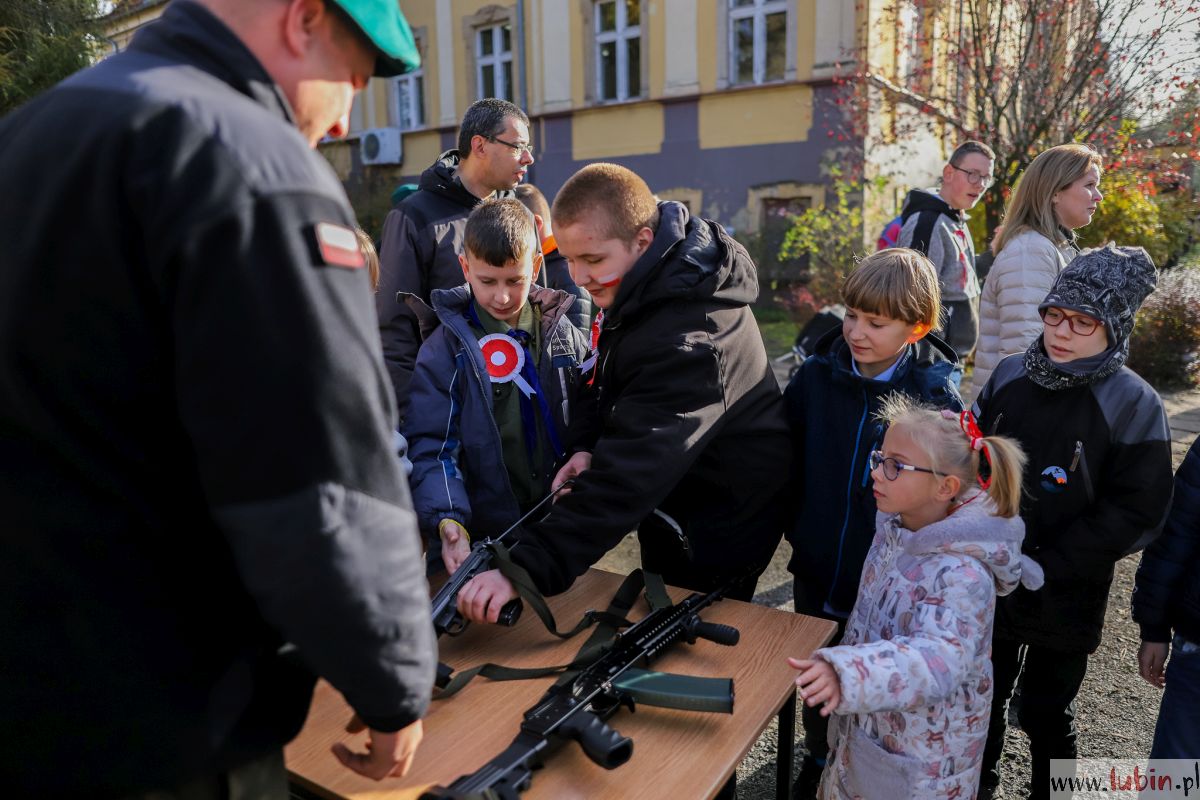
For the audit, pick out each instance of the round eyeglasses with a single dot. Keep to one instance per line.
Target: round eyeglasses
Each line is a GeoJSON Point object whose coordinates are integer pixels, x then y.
{"type": "Point", "coordinates": [976, 179]}
{"type": "Point", "coordinates": [891, 467]}
{"type": "Point", "coordinates": [1080, 324]}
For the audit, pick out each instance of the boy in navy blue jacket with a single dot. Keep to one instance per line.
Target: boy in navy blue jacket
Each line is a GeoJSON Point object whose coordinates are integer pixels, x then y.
{"type": "Point", "coordinates": [491, 396]}
{"type": "Point", "coordinates": [884, 346]}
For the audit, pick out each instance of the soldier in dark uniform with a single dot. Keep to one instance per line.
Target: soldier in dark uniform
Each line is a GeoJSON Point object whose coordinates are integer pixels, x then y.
{"type": "Point", "coordinates": [202, 506]}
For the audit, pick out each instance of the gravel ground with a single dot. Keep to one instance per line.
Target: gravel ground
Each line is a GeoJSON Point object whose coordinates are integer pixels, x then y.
{"type": "Point", "coordinates": [1115, 711]}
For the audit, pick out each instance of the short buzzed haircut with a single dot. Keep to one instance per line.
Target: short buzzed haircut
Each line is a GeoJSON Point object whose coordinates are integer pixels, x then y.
{"type": "Point", "coordinates": [500, 231]}
{"type": "Point", "coordinates": [533, 199]}
{"type": "Point", "coordinates": [968, 147]}
{"type": "Point", "coordinates": [898, 283]}
{"type": "Point", "coordinates": [609, 195]}
{"type": "Point", "coordinates": [485, 118]}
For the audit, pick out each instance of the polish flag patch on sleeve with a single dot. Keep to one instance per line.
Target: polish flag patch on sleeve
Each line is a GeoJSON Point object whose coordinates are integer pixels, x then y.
{"type": "Point", "coordinates": [337, 246]}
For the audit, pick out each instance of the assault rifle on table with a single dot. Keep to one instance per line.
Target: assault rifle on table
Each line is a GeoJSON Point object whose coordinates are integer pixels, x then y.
{"type": "Point", "coordinates": [446, 617]}
{"type": "Point", "coordinates": [577, 709]}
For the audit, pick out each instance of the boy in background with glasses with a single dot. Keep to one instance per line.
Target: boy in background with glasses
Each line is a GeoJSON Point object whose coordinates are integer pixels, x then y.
{"type": "Point", "coordinates": [883, 347]}
{"type": "Point", "coordinates": [1097, 487]}
{"type": "Point", "coordinates": [935, 223]}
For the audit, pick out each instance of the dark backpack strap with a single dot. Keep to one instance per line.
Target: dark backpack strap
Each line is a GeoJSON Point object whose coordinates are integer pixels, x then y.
{"type": "Point", "coordinates": [923, 233]}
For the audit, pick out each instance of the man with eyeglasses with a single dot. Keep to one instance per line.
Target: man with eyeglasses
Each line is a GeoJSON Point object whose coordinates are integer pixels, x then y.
{"type": "Point", "coordinates": [423, 236]}
{"type": "Point", "coordinates": [935, 223]}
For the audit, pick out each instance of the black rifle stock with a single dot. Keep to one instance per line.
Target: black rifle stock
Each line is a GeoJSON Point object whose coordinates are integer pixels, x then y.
{"type": "Point", "coordinates": [577, 710]}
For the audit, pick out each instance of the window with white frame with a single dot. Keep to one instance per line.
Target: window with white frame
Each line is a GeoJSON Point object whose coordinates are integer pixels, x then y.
{"type": "Point", "coordinates": [493, 62]}
{"type": "Point", "coordinates": [914, 57]}
{"type": "Point", "coordinates": [757, 40]}
{"type": "Point", "coordinates": [408, 94]}
{"type": "Point", "coordinates": [618, 49]}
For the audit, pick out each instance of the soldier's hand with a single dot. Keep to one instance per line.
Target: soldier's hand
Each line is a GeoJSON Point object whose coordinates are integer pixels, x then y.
{"type": "Point", "coordinates": [389, 755]}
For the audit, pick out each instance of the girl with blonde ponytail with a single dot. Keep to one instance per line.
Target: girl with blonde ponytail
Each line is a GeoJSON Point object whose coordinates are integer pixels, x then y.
{"type": "Point", "coordinates": [911, 684]}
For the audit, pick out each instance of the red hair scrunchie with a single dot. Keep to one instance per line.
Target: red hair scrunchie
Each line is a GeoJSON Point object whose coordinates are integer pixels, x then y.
{"type": "Point", "coordinates": [970, 426]}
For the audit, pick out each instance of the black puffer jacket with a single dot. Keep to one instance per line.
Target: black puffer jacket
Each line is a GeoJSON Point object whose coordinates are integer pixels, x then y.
{"type": "Point", "coordinates": [418, 253]}
{"type": "Point", "coordinates": [1097, 481]}
{"type": "Point", "coordinates": [689, 417]}
{"type": "Point", "coordinates": [1166, 595]}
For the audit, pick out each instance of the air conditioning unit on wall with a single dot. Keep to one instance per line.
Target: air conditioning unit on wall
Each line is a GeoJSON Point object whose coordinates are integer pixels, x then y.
{"type": "Point", "coordinates": [381, 146]}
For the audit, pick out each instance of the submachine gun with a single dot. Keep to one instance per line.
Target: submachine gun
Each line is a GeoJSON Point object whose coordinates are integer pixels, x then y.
{"type": "Point", "coordinates": [577, 708]}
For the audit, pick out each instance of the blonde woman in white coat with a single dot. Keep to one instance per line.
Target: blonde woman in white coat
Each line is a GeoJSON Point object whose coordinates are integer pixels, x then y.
{"type": "Point", "coordinates": [1058, 193]}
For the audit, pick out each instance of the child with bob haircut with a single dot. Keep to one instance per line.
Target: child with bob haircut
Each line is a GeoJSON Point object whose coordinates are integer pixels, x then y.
{"type": "Point", "coordinates": [1098, 487]}
{"type": "Point", "coordinates": [493, 388]}
{"type": "Point", "coordinates": [832, 403]}
{"type": "Point", "coordinates": [910, 685]}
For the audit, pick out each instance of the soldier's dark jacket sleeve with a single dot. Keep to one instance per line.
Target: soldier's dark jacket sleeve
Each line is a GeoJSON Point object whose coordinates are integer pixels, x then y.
{"type": "Point", "coordinates": [282, 394]}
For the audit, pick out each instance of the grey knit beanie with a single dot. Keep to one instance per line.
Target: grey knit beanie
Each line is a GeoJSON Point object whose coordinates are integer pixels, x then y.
{"type": "Point", "coordinates": [1108, 283]}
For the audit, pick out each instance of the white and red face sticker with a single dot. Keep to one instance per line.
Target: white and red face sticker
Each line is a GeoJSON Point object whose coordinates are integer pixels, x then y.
{"type": "Point", "coordinates": [504, 358]}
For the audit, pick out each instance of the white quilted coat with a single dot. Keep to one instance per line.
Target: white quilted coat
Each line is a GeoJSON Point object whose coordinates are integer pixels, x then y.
{"type": "Point", "coordinates": [1019, 281]}
{"type": "Point", "coordinates": [915, 663]}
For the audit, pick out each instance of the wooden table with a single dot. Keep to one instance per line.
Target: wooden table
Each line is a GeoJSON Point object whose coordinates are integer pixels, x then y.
{"type": "Point", "coordinates": [676, 754]}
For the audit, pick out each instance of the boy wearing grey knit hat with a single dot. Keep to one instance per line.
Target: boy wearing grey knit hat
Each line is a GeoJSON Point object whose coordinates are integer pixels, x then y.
{"type": "Point", "coordinates": [1097, 486]}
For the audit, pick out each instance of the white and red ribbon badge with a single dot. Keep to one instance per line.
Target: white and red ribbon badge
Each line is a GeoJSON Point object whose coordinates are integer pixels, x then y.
{"type": "Point", "coordinates": [594, 355]}
{"type": "Point", "coordinates": [505, 359]}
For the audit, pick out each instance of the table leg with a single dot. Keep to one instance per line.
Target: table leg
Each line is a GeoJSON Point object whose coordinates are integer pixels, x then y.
{"type": "Point", "coordinates": [784, 747]}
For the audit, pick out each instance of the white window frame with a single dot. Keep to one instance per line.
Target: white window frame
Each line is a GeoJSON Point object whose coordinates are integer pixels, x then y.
{"type": "Point", "coordinates": [621, 36]}
{"type": "Point", "coordinates": [908, 25]}
{"type": "Point", "coordinates": [416, 100]}
{"type": "Point", "coordinates": [759, 13]}
{"type": "Point", "coordinates": [497, 60]}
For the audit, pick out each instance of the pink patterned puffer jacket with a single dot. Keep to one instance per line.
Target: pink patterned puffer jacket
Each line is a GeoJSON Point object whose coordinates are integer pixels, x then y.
{"type": "Point", "coordinates": [915, 663]}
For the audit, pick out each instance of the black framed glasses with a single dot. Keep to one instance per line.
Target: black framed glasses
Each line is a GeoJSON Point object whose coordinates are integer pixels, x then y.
{"type": "Point", "coordinates": [976, 179]}
{"type": "Point", "coordinates": [891, 467]}
{"type": "Point", "coordinates": [517, 147]}
{"type": "Point", "coordinates": [1080, 324]}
